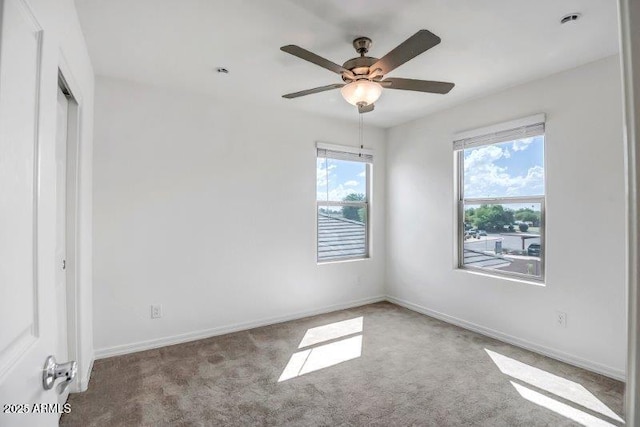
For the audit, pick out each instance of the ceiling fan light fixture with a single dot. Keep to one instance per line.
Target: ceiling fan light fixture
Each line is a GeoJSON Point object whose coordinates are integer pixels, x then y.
{"type": "Point", "coordinates": [361, 92]}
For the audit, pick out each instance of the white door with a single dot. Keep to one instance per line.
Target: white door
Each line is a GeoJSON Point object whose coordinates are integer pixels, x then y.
{"type": "Point", "coordinates": [62, 349]}
{"type": "Point", "coordinates": [27, 295]}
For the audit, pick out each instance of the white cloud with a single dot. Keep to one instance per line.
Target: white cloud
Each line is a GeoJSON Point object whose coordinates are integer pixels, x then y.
{"type": "Point", "coordinates": [483, 178]}
{"type": "Point", "coordinates": [521, 144]}
{"type": "Point", "coordinates": [363, 174]}
{"type": "Point", "coordinates": [322, 173]}
{"type": "Point", "coordinates": [336, 194]}
{"type": "Point", "coordinates": [351, 183]}
{"type": "Point", "coordinates": [340, 192]}
{"type": "Point", "coordinates": [484, 156]}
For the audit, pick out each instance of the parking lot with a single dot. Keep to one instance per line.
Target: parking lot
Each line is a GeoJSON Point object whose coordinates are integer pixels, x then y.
{"type": "Point", "coordinates": [524, 264]}
{"type": "Point", "coordinates": [487, 243]}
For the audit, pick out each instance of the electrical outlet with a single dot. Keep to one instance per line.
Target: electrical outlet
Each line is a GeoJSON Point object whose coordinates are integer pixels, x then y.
{"type": "Point", "coordinates": [561, 319]}
{"type": "Point", "coordinates": [156, 311]}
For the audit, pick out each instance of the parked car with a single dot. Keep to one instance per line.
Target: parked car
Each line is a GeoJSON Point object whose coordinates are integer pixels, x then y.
{"type": "Point", "coordinates": [534, 249]}
{"type": "Point", "coordinates": [482, 233]}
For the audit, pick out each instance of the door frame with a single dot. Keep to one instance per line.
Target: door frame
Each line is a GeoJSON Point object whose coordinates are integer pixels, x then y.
{"type": "Point", "coordinates": [71, 89]}
{"type": "Point", "coordinates": [629, 27]}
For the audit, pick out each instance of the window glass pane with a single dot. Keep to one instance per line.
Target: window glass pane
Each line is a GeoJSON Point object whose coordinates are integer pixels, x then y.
{"type": "Point", "coordinates": [340, 180]}
{"type": "Point", "coordinates": [508, 169]}
{"type": "Point", "coordinates": [504, 236]}
{"type": "Point", "coordinates": [342, 231]}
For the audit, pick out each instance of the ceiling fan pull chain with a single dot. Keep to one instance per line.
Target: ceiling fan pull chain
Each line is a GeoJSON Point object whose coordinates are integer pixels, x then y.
{"type": "Point", "coordinates": [360, 134]}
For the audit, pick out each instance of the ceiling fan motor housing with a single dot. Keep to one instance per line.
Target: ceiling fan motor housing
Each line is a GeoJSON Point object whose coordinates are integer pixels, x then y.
{"type": "Point", "coordinates": [359, 66]}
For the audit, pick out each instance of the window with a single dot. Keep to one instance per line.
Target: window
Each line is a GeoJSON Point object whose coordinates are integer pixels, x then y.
{"type": "Point", "coordinates": [343, 194]}
{"type": "Point", "coordinates": [501, 198]}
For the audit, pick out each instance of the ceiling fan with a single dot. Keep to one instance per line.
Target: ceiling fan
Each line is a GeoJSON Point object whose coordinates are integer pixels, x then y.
{"type": "Point", "coordinates": [363, 75]}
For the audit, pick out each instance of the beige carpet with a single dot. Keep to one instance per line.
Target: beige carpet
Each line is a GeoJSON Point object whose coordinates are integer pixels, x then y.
{"type": "Point", "coordinates": [377, 365]}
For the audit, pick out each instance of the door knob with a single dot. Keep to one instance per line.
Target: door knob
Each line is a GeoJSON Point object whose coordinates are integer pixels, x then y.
{"type": "Point", "coordinates": [52, 371]}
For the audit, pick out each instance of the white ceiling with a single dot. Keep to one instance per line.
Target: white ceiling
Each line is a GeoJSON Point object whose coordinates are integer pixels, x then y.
{"type": "Point", "coordinates": [486, 46]}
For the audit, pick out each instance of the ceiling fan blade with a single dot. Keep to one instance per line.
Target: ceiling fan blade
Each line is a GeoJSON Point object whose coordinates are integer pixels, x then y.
{"type": "Point", "coordinates": [410, 48]}
{"type": "Point", "coordinates": [314, 90]}
{"type": "Point", "coordinates": [418, 85]}
{"type": "Point", "coordinates": [316, 59]}
{"type": "Point", "coordinates": [365, 108]}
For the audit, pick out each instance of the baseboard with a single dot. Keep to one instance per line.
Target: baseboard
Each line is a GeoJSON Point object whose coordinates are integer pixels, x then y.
{"type": "Point", "coordinates": [222, 330]}
{"type": "Point", "coordinates": [518, 342]}
{"type": "Point", "coordinates": [83, 380]}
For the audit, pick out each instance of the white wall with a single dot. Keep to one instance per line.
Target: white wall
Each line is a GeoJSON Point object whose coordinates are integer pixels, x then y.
{"type": "Point", "coordinates": [64, 47]}
{"type": "Point", "coordinates": [208, 208]}
{"type": "Point", "coordinates": [585, 240]}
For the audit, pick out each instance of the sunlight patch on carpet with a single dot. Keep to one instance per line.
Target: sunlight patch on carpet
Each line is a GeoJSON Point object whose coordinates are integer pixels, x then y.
{"type": "Point", "coordinates": [556, 386]}
{"type": "Point", "coordinates": [321, 354]}
{"type": "Point", "coordinates": [331, 331]}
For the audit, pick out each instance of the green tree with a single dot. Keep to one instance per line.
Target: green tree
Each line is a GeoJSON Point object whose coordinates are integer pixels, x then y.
{"type": "Point", "coordinates": [492, 217]}
{"type": "Point", "coordinates": [469, 217]}
{"type": "Point", "coordinates": [362, 214]}
{"type": "Point", "coordinates": [528, 215]}
{"type": "Point", "coordinates": [354, 212]}
{"type": "Point", "coordinates": [523, 227]}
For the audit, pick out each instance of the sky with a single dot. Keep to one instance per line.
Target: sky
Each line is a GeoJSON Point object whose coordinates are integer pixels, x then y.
{"type": "Point", "coordinates": [514, 168]}
{"type": "Point", "coordinates": [339, 178]}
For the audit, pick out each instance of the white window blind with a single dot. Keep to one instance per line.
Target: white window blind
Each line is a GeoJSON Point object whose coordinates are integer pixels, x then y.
{"type": "Point", "coordinates": [508, 131]}
{"type": "Point", "coordinates": [344, 152]}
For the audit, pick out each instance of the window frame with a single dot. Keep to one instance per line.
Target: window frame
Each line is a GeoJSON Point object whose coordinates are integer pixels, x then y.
{"type": "Point", "coordinates": [461, 201]}
{"type": "Point", "coordinates": [366, 204]}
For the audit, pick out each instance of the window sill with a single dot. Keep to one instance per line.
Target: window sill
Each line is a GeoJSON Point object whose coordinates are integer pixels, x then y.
{"type": "Point", "coordinates": [507, 277]}
{"type": "Point", "coordinates": [342, 260]}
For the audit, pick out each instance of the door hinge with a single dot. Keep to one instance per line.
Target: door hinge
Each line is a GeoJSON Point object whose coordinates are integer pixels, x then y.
{"type": "Point", "coordinates": [64, 264]}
